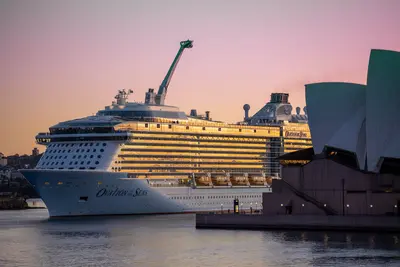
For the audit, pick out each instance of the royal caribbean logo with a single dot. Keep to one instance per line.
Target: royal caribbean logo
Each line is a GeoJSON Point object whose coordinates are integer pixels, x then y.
{"type": "Point", "coordinates": [295, 134]}
{"type": "Point", "coordinates": [121, 192]}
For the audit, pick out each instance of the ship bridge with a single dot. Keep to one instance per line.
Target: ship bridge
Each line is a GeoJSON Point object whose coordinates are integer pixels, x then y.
{"type": "Point", "coordinates": [139, 111]}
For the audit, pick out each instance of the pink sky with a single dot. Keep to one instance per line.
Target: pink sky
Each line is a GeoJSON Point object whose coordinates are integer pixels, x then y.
{"type": "Point", "coordinates": [62, 60]}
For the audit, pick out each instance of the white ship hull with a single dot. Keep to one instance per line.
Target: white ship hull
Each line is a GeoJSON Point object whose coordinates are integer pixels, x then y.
{"type": "Point", "coordinates": [78, 193]}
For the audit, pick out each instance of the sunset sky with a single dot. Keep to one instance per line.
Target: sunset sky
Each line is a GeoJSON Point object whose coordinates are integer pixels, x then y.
{"type": "Point", "coordinates": [62, 60]}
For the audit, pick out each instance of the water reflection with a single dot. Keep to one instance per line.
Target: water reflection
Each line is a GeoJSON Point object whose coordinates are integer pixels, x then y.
{"type": "Point", "coordinates": [30, 239]}
{"type": "Point", "coordinates": [347, 249]}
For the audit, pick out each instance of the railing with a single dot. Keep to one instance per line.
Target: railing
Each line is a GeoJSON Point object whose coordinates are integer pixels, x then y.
{"type": "Point", "coordinates": [328, 210]}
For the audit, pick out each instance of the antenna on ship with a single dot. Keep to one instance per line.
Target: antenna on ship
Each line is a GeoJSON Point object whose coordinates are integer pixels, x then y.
{"type": "Point", "coordinates": [151, 97]}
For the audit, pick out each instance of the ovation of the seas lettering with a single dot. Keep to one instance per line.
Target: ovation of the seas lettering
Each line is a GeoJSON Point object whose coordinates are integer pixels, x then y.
{"type": "Point", "coordinates": [121, 192]}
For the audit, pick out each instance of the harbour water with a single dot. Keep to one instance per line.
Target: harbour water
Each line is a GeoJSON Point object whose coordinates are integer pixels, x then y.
{"type": "Point", "coordinates": [29, 238]}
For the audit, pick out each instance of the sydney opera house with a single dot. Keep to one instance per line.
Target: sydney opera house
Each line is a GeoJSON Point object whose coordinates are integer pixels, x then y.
{"type": "Point", "coordinates": [354, 165]}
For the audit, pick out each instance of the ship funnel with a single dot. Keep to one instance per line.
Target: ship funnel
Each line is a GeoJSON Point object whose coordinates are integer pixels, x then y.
{"type": "Point", "coordinates": [207, 115]}
{"type": "Point", "coordinates": [246, 109]}
{"type": "Point", "coordinates": [193, 113]}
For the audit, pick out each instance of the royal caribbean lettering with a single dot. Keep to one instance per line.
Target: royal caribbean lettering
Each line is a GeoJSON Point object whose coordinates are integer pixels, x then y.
{"type": "Point", "coordinates": [295, 134]}
{"type": "Point", "coordinates": [121, 192]}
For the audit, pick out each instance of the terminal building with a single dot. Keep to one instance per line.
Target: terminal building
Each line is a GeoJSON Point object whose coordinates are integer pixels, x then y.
{"type": "Point", "coordinates": [353, 166]}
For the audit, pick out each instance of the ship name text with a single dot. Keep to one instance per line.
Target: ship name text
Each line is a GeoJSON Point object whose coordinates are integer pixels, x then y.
{"type": "Point", "coordinates": [138, 192]}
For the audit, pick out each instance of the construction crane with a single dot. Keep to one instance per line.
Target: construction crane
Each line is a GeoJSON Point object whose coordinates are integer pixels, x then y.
{"type": "Point", "coordinates": [159, 98]}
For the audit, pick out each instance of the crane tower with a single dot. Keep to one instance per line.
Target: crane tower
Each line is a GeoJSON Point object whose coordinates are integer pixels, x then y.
{"type": "Point", "coordinates": [159, 98]}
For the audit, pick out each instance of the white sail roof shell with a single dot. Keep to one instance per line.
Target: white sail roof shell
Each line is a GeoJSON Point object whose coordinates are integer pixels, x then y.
{"type": "Point", "coordinates": [336, 114]}
{"type": "Point", "coordinates": [363, 119]}
{"type": "Point", "coordinates": [383, 105]}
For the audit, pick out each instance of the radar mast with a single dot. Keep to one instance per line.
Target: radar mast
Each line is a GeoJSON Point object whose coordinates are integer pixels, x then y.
{"type": "Point", "coordinates": [122, 96]}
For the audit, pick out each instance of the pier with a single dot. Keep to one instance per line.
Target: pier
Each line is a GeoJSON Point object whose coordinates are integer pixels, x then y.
{"type": "Point", "coordinates": [299, 222]}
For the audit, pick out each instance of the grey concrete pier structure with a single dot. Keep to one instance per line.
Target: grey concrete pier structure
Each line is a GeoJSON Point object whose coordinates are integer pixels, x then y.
{"type": "Point", "coordinates": [299, 222]}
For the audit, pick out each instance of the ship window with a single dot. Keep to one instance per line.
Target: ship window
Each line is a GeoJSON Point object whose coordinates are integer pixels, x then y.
{"type": "Point", "coordinates": [219, 129]}
{"type": "Point", "coordinates": [88, 150]}
{"type": "Point", "coordinates": [51, 157]}
{"type": "Point", "coordinates": [204, 128]}
{"type": "Point", "coordinates": [70, 163]}
{"type": "Point", "coordinates": [82, 168]}
{"type": "Point", "coordinates": [255, 130]}
{"type": "Point", "coordinates": [146, 125]}
{"type": "Point", "coordinates": [73, 156]}
{"type": "Point", "coordinates": [169, 126]}
{"type": "Point", "coordinates": [65, 157]}
{"type": "Point", "coordinates": [86, 144]}
{"type": "Point", "coordinates": [85, 156]}
{"type": "Point", "coordinates": [92, 168]}
{"type": "Point", "coordinates": [94, 150]}
{"type": "Point", "coordinates": [99, 156]}
{"type": "Point", "coordinates": [80, 144]}
{"type": "Point", "coordinates": [71, 168]}
{"type": "Point", "coordinates": [101, 150]}
{"type": "Point", "coordinates": [88, 162]}
{"type": "Point", "coordinates": [91, 144]}
{"type": "Point", "coordinates": [104, 144]}
{"type": "Point", "coordinates": [97, 162]}
{"type": "Point", "coordinates": [187, 127]}
{"type": "Point", "coordinates": [97, 144]}
{"type": "Point", "coordinates": [76, 163]}
{"type": "Point", "coordinates": [77, 150]}
{"type": "Point", "coordinates": [79, 156]}
{"type": "Point", "coordinates": [91, 156]}
{"type": "Point", "coordinates": [158, 125]}
{"type": "Point", "coordinates": [82, 162]}
{"type": "Point", "coordinates": [69, 150]}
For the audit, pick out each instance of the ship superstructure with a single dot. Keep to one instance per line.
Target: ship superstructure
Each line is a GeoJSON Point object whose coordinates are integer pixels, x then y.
{"type": "Point", "coordinates": [134, 158]}
{"type": "Point", "coordinates": [294, 131]}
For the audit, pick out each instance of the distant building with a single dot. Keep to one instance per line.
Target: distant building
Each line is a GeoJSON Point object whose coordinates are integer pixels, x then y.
{"type": "Point", "coordinates": [35, 152]}
{"type": "Point", "coordinates": [3, 160]}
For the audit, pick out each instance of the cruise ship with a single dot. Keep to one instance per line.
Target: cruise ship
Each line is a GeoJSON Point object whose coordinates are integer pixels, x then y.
{"type": "Point", "coordinates": [151, 158]}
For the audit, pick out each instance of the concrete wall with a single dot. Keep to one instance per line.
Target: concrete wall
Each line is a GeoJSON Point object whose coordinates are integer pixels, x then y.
{"type": "Point", "coordinates": [274, 204]}
{"type": "Point", "coordinates": [322, 180]}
